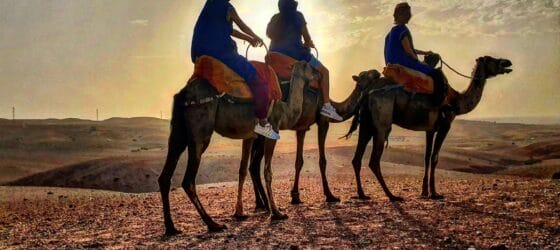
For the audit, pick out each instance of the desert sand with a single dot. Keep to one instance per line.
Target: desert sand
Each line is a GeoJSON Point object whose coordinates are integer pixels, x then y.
{"type": "Point", "coordinates": [86, 184]}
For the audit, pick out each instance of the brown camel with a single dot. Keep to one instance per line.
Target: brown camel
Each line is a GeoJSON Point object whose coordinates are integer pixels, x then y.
{"type": "Point", "coordinates": [310, 115]}
{"type": "Point", "coordinates": [192, 127]}
{"type": "Point", "coordinates": [386, 105]}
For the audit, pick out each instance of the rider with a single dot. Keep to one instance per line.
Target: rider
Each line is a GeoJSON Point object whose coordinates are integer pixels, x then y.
{"type": "Point", "coordinates": [285, 31]}
{"type": "Point", "coordinates": [212, 37]}
{"type": "Point", "coordinates": [399, 49]}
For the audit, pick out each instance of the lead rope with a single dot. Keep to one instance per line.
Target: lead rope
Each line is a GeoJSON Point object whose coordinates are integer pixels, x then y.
{"type": "Point", "coordinates": [452, 69]}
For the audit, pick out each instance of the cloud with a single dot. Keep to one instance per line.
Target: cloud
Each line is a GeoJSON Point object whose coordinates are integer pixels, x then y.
{"type": "Point", "coordinates": [139, 22]}
{"type": "Point", "coordinates": [355, 20]}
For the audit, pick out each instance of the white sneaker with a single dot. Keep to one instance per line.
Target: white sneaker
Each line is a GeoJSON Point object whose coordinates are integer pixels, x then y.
{"type": "Point", "coordinates": [266, 131]}
{"type": "Point", "coordinates": [329, 111]}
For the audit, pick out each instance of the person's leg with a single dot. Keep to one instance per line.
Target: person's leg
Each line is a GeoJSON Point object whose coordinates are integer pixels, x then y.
{"type": "Point", "coordinates": [260, 97]}
{"type": "Point", "coordinates": [262, 103]}
{"type": "Point", "coordinates": [327, 109]}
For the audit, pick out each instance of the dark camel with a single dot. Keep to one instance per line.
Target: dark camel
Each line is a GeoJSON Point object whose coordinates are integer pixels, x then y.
{"type": "Point", "coordinates": [192, 127]}
{"type": "Point", "coordinates": [310, 115]}
{"type": "Point", "coordinates": [385, 106]}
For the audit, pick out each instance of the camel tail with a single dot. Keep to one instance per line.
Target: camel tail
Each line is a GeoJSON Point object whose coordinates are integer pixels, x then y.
{"type": "Point", "coordinates": [354, 126]}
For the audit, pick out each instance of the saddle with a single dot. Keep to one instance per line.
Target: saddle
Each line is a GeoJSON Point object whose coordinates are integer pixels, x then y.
{"type": "Point", "coordinates": [226, 81]}
{"type": "Point", "coordinates": [282, 65]}
{"type": "Point", "coordinates": [417, 82]}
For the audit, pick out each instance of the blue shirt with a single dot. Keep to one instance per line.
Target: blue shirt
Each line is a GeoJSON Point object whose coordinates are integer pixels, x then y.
{"type": "Point", "coordinates": [212, 37]}
{"type": "Point", "coordinates": [395, 53]}
{"type": "Point", "coordinates": [285, 32]}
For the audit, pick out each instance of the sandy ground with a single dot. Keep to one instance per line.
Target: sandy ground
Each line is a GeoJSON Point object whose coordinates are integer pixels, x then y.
{"type": "Point", "coordinates": [477, 211]}
{"type": "Point", "coordinates": [496, 178]}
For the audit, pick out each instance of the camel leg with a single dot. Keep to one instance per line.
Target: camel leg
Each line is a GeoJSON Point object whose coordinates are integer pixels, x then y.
{"type": "Point", "coordinates": [364, 136]}
{"type": "Point", "coordinates": [257, 154]}
{"type": "Point", "coordinates": [246, 150]}
{"type": "Point", "coordinates": [440, 137]}
{"type": "Point", "coordinates": [427, 156]}
{"type": "Point", "coordinates": [323, 128]}
{"type": "Point", "coordinates": [176, 146]}
{"type": "Point", "coordinates": [195, 152]}
{"type": "Point", "coordinates": [268, 151]}
{"type": "Point", "coordinates": [375, 165]}
{"type": "Point", "coordinates": [299, 165]}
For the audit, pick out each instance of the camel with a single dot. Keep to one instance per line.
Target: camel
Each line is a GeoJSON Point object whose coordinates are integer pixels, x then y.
{"type": "Point", "coordinates": [192, 127]}
{"type": "Point", "coordinates": [386, 105]}
{"type": "Point", "coordinates": [310, 115]}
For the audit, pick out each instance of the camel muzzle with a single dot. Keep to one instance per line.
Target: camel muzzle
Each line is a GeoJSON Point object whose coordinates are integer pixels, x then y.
{"type": "Point", "coordinates": [504, 65]}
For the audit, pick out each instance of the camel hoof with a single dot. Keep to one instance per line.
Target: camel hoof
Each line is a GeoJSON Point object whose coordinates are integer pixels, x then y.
{"type": "Point", "coordinates": [296, 201]}
{"type": "Point", "coordinates": [362, 197]}
{"type": "Point", "coordinates": [436, 197]}
{"type": "Point", "coordinates": [216, 228]}
{"type": "Point", "coordinates": [396, 198]}
{"type": "Point", "coordinates": [333, 199]}
{"type": "Point", "coordinates": [424, 196]}
{"type": "Point", "coordinates": [279, 216]}
{"type": "Point", "coordinates": [259, 209]}
{"type": "Point", "coordinates": [240, 217]}
{"type": "Point", "coordinates": [171, 231]}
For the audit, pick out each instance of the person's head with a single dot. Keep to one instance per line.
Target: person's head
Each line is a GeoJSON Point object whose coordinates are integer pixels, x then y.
{"type": "Point", "coordinates": [402, 13]}
{"type": "Point", "coordinates": [287, 5]}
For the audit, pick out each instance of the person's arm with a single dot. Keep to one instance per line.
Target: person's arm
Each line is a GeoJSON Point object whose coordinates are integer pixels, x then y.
{"type": "Point", "coordinates": [255, 40]}
{"type": "Point", "coordinates": [408, 48]}
{"type": "Point", "coordinates": [421, 52]}
{"type": "Point", "coordinates": [308, 42]}
{"type": "Point", "coordinates": [241, 35]}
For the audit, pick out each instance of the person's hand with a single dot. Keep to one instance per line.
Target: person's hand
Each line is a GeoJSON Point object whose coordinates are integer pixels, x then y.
{"type": "Point", "coordinates": [256, 42]}
{"type": "Point", "coordinates": [309, 44]}
{"type": "Point", "coordinates": [429, 52]}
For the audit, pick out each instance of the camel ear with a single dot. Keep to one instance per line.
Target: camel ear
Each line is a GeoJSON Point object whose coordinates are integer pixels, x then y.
{"type": "Point", "coordinates": [356, 78]}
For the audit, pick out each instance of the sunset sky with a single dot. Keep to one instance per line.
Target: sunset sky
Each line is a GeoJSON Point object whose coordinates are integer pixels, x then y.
{"type": "Point", "coordinates": [65, 58]}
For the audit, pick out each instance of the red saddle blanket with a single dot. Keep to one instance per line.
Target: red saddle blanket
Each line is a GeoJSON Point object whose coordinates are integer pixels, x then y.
{"type": "Point", "coordinates": [227, 81]}
{"type": "Point", "coordinates": [282, 65]}
{"type": "Point", "coordinates": [414, 81]}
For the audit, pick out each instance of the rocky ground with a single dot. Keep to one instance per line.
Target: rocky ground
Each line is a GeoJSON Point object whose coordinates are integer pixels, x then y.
{"type": "Point", "coordinates": [480, 211]}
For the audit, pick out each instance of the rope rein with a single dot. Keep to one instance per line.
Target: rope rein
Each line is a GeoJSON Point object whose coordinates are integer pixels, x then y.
{"type": "Point", "coordinates": [249, 46]}
{"type": "Point", "coordinates": [457, 72]}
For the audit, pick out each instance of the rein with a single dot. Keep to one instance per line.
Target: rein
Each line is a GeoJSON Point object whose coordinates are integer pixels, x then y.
{"type": "Point", "coordinates": [249, 46]}
{"type": "Point", "coordinates": [456, 72]}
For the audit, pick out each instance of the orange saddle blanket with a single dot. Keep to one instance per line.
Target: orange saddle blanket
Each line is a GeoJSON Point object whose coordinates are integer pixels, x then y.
{"type": "Point", "coordinates": [415, 81]}
{"type": "Point", "coordinates": [282, 65]}
{"type": "Point", "coordinates": [412, 80]}
{"type": "Point", "coordinates": [227, 81]}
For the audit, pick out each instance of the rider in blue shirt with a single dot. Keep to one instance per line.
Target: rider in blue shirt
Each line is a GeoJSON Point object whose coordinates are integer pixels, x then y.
{"type": "Point", "coordinates": [212, 37]}
{"type": "Point", "coordinates": [399, 49]}
{"type": "Point", "coordinates": [285, 31]}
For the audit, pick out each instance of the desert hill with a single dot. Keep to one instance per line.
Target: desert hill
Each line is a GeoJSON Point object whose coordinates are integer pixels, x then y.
{"type": "Point", "coordinates": [127, 154]}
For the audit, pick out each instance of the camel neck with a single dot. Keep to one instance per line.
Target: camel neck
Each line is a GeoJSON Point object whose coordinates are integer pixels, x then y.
{"type": "Point", "coordinates": [347, 107]}
{"type": "Point", "coordinates": [469, 99]}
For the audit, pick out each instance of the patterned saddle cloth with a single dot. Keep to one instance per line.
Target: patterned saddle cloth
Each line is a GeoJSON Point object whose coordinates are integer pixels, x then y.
{"type": "Point", "coordinates": [225, 80]}
{"type": "Point", "coordinates": [415, 81]}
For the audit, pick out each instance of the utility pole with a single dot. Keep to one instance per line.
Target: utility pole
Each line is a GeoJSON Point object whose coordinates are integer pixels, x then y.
{"type": "Point", "coordinates": [97, 114]}
{"type": "Point", "coordinates": [13, 113]}
{"type": "Point", "coordinates": [160, 115]}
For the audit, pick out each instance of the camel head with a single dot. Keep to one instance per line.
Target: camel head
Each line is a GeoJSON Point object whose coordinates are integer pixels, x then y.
{"type": "Point", "coordinates": [494, 66]}
{"type": "Point", "coordinates": [365, 78]}
{"type": "Point", "coordinates": [303, 70]}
